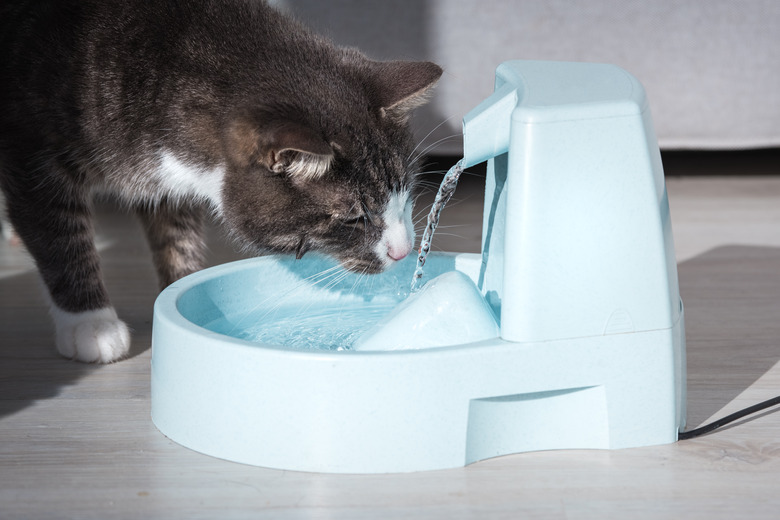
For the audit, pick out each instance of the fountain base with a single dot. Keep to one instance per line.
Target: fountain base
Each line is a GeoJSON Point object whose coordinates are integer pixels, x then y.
{"type": "Point", "coordinates": [395, 411]}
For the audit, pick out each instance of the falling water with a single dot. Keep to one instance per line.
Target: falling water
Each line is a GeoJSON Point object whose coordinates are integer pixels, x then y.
{"type": "Point", "coordinates": [446, 189]}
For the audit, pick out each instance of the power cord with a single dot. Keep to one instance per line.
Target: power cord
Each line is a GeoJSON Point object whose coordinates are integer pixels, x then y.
{"type": "Point", "coordinates": [728, 419]}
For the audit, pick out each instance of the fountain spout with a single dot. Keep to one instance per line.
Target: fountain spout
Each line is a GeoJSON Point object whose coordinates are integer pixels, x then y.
{"type": "Point", "coordinates": [486, 127]}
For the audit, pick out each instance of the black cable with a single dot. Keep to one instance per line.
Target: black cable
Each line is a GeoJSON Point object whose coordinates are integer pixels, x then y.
{"type": "Point", "coordinates": [729, 418]}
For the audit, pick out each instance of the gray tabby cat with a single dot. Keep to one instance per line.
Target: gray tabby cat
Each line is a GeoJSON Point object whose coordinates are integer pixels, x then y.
{"type": "Point", "coordinates": [179, 107]}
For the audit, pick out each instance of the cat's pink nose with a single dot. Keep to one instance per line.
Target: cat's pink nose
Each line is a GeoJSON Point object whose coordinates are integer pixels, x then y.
{"type": "Point", "coordinates": [398, 253]}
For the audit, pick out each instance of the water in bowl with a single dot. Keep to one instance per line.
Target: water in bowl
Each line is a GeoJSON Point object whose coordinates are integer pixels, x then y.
{"type": "Point", "coordinates": [328, 325]}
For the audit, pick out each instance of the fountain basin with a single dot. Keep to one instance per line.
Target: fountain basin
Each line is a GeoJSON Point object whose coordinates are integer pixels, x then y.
{"type": "Point", "coordinates": [320, 410]}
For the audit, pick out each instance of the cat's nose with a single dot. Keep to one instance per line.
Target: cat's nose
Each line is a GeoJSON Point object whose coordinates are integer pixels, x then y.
{"type": "Point", "coordinates": [398, 252]}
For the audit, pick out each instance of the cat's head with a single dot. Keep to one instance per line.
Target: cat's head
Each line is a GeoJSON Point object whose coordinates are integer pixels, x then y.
{"type": "Point", "coordinates": [329, 169]}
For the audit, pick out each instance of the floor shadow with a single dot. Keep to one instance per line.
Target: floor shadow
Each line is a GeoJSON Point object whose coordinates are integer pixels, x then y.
{"type": "Point", "coordinates": [30, 368]}
{"type": "Point", "coordinates": [732, 297]}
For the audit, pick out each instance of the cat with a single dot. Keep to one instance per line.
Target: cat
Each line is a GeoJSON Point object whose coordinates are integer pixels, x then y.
{"type": "Point", "coordinates": [181, 108]}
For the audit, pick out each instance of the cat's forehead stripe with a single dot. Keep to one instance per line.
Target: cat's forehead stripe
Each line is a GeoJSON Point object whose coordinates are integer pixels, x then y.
{"type": "Point", "coordinates": [396, 204]}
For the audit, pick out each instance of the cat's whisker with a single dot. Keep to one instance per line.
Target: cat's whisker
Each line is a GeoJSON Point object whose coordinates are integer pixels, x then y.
{"type": "Point", "coordinates": [337, 280]}
{"type": "Point", "coordinates": [428, 189]}
{"type": "Point", "coordinates": [417, 198]}
{"type": "Point", "coordinates": [456, 202]}
{"type": "Point", "coordinates": [430, 172]}
{"type": "Point", "coordinates": [434, 144]}
{"type": "Point", "coordinates": [329, 277]}
{"type": "Point", "coordinates": [359, 278]}
{"type": "Point", "coordinates": [338, 273]}
{"type": "Point", "coordinates": [280, 297]}
{"type": "Point", "coordinates": [451, 226]}
{"type": "Point", "coordinates": [450, 235]}
{"type": "Point", "coordinates": [324, 274]}
{"type": "Point", "coordinates": [423, 190]}
{"type": "Point", "coordinates": [420, 216]}
{"type": "Point", "coordinates": [426, 169]}
{"type": "Point", "coordinates": [431, 184]}
{"type": "Point", "coordinates": [429, 134]}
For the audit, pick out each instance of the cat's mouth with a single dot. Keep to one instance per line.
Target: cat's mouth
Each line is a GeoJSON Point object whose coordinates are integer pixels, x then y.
{"type": "Point", "coordinates": [374, 263]}
{"type": "Point", "coordinates": [361, 266]}
{"type": "Point", "coordinates": [356, 259]}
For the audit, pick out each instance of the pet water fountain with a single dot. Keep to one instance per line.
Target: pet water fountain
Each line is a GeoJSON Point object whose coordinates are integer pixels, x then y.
{"type": "Point", "coordinates": [567, 331]}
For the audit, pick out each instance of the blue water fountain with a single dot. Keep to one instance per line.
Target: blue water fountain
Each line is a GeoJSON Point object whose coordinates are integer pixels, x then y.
{"type": "Point", "coordinates": [577, 338]}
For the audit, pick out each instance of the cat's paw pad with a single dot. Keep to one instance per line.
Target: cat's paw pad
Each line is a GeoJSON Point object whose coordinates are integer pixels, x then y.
{"type": "Point", "coordinates": [97, 336]}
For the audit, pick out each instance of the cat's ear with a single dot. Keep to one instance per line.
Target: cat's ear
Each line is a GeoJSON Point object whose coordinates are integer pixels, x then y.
{"type": "Point", "coordinates": [401, 86]}
{"type": "Point", "coordinates": [283, 147]}
{"type": "Point", "coordinates": [296, 150]}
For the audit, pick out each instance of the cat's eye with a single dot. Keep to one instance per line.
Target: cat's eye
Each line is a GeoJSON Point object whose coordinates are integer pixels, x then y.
{"type": "Point", "coordinates": [357, 219]}
{"type": "Point", "coordinates": [352, 220]}
{"type": "Point", "coordinates": [368, 214]}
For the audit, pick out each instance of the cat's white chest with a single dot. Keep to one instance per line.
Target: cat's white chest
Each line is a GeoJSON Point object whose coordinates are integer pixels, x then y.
{"type": "Point", "coordinates": [186, 181]}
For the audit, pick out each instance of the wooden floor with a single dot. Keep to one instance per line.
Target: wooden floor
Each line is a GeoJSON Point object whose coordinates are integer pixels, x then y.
{"type": "Point", "coordinates": [76, 440]}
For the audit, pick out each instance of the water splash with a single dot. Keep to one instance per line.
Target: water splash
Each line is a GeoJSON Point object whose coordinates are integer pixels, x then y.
{"type": "Point", "coordinates": [446, 189]}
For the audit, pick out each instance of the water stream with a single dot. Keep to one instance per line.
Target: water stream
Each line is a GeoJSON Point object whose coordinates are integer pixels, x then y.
{"type": "Point", "coordinates": [446, 189]}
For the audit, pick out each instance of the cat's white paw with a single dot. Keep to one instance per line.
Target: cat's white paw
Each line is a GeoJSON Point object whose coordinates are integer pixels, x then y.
{"type": "Point", "coordinates": [97, 336]}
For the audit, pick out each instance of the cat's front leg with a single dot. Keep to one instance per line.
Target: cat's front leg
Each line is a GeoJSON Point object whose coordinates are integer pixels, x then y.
{"type": "Point", "coordinates": [59, 236]}
{"type": "Point", "coordinates": [175, 236]}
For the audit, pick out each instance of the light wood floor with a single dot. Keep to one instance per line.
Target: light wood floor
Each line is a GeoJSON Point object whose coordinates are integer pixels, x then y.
{"type": "Point", "coordinates": [76, 440]}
